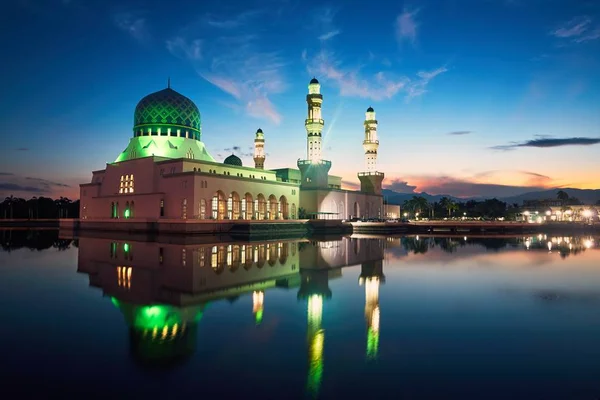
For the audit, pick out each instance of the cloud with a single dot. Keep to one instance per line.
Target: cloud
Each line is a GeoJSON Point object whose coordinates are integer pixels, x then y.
{"type": "Point", "coordinates": [234, 22]}
{"type": "Point", "coordinates": [577, 30]}
{"type": "Point", "coordinates": [575, 27]}
{"type": "Point", "coordinates": [545, 142]}
{"type": "Point", "coordinates": [400, 186]}
{"type": "Point", "coordinates": [350, 185]}
{"type": "Point", "coordinates": [352, 82]}
{"type": "Point", "coordinates": [13, 187]}
{"type": "Point", "coordinates": [238, 65]}
{"type": "Point", "coordinates": [46, 182]}
{"type": "Point", "coordinates": [482, 184]}
{"type": "Point", "coordinates": [192, 51]}
{"type": "Point", "coordinates": [133, 24]}
{"type": "Point", "coordinates": [323, 23]}
{"type": "Point", "coordinates": [457, 133]}
{"type": "Point", "coordinates": [6, 174]}
{"type": "Point", "coordinates": [406, 26]}
{"type": "Point", "coordinates": [329, 35]}
{"type": "Point", "coordinates": [419, 87]}
{"type": "Point", "coordinates": [593, 35]}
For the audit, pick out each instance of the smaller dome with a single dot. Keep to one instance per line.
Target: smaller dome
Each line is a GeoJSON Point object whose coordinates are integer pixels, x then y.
{"type": "Point", "coordinates": [314, 80]}
{"type": "Point", "coordinates": [370, 109]}
{"type": "Point", "coordinates": [233, 160]}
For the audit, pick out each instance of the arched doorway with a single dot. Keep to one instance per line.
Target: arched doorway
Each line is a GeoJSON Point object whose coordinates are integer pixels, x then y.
{"type": "Point", "coordinates": [272, 207]}
{"type": "Point", "coordinates": [233, 206]}
{"type": "Point", "coordinates": [247, 206]}
{"type": "Point", "coordinates": [261, 207]}
{"type": "Point", "coordinates": [356, 210]}
{"type": "Point", "coordinates": [294, 216]}
{"type": "Point", "coordinates": [218, 205]}
{"type": "Point", "coordinates": [283, 208]}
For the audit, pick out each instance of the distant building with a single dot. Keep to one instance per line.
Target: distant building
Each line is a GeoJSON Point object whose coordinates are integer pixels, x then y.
{"type": "Point", "coordinates": [166, 172]}
{"type": "Point", "coordinates": [391, 211]}
{"type": "Point", "coordinates": [542, 203]}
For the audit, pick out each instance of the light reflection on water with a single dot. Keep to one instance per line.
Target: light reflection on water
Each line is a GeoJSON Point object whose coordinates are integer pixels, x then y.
{"type": "Point", "coordinates": [417, 316]}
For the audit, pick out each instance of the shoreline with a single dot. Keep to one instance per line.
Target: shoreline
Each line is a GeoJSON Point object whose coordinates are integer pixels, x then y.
{"type": "Point", "coordinates": [298, 228]}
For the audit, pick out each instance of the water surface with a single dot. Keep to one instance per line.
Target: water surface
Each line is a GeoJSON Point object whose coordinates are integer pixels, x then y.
{"type": "Point", "coordinates": [409, 317]}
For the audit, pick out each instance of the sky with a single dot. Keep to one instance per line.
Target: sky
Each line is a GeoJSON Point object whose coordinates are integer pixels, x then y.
{"type": "Point", "coordinates": [473, 97]}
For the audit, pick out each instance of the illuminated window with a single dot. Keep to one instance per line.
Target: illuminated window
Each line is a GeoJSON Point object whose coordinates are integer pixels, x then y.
{"type": "Point", "coordinates": [124, 277]}
{"type": "Point", "coordinates": [183, 257]}
{"type": "Point", "coordinates": [184, 209]}
{"type": "Point", "coordinates": [126, 185]}
{"type": "Point", "coordinates": [202, 211]}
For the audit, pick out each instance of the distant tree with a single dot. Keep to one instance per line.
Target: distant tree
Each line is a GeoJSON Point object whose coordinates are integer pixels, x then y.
{"type": "Point", "coordinates": [562, 196]}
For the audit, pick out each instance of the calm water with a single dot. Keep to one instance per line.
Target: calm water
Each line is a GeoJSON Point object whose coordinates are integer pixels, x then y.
{"type": "Point", "coordinates": [410, 317]}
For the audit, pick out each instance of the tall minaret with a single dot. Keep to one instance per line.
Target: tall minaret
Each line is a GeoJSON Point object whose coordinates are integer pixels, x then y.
{"type": "Point", "coordinates": [370, 179]}
{"type": "Point", "coordinates": [259, 150]}
{"type": "Point", "coordinates": [370, 144]}
{"type": "Point", "coordinates": [314, 121]}
{"type": "Point", "coordinates": [314, 170]}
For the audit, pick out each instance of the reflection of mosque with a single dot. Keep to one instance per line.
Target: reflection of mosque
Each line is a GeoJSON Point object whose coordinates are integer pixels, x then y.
{"type": "Point", "coordinates": [162, 289]}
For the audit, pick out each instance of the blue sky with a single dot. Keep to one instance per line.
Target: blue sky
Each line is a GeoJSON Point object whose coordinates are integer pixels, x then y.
{"type": "Point", "coordinates": [473, 97]}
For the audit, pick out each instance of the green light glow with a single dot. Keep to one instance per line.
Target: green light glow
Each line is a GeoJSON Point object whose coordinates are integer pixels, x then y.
{"type": "Point", "coordinates": [127, 213]}
{"type": "Point", "coordinates": [259, 317]}
{"type": "Point", "coordinates": [115, 302]}
{"type": "Point", "coordinates": [372, 344]}
{"type": "Point", "coordinates": [156, 317]}
{"type": "Point", "coordinates": [126, 245]}
{"type": "Point", "coordinates": [315, 369]}
{"type": "Point", "coordinates": [316, 338]}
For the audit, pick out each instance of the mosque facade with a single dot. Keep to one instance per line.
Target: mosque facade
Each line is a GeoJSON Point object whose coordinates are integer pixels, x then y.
{"type": "Point", "coordinates": [166, 172]}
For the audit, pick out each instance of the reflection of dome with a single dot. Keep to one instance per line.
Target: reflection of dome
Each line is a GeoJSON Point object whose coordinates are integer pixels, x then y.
{"type": "Point", "coordinates": [314, 80]}
{"type": "Point", "coordinates": [160, 335]}
{"type": "Point", "coordinates": [164, 110]}
{"type": "Point", "coordinates": [370, 109]}
{"type": "Point", "coordinates": [233, 160]}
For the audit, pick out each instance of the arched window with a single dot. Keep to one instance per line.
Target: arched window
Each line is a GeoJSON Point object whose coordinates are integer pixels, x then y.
{"type": "Point", "coordinates": [248, 204]}
{"type": "Point", "coordinates": [235, 206]}
{"type": "Point", "coordinates": [219, 205]}
{"type": "Point", "coordinates": [202, 209]}
{"type": "Point", "coordinates": [190, 154]}
{"type": "Point", "coordinates": [184, 209]}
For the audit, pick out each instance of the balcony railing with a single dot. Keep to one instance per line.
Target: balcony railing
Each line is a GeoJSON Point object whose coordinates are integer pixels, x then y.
{"type": "Point", "coordinates": [370, 173]}
{"type": "Point", "coordinates": [314, 121]}
{"type": "Point", "coordinates": [316, 162]}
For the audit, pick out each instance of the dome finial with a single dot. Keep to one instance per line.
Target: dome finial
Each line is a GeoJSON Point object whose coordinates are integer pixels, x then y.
{"type": "Point", "coordinates": [169, 83]}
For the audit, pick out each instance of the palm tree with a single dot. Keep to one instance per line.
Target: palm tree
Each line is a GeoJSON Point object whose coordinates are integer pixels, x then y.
{"type": "Point", "coordinates": [449, 205]}
{"type": "Point", "coordinates": [10, 201]}
{"type": "Point", "coordinates": [562, 196]}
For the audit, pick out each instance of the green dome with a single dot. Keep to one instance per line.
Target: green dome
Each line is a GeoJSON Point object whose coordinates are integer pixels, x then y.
{"type": "Point", "coordinates": [233, 160]}
{"type": "Point", "coordinates": [164, 110]}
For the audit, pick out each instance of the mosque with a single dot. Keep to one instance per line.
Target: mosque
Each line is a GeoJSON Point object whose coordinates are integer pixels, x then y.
{"type": "Point", "coordinates": [166, 172]}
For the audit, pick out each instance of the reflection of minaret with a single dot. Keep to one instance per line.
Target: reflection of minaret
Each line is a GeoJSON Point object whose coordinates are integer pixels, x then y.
{"type": "Point", "coordinates": [316, 341]}
{"type": "Point", "coordinates": [258, 298]}
{"type": "Point", "coordinates": [372, 276]}
{"type": "Point", "coordinates": [315, 287]}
